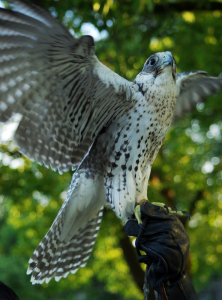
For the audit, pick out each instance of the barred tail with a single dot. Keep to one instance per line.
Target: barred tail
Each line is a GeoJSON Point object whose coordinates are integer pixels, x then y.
{"type": "Point", "coordinates": [55, 258]}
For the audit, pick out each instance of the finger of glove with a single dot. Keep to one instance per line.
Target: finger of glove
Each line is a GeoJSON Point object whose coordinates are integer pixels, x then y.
{"type": "Point", "coordinates": [156, 229]}
{"type": "Point", "coordinates": [152, 227]}
{"type": "Point", "coordinates": [158, 269]}
{"type": "Point", "coordinates": [169, 222]}
{"type": "Point", "coordinates": [155, 277]}
{"type": "Point", "coordinates": [168, 233]}
{"type": "Point", "coordinates": [167, 256]}
{"type": "Point", "coordinates": [154, 212]}
{"type": "Point", "coordinates": [132, 228]}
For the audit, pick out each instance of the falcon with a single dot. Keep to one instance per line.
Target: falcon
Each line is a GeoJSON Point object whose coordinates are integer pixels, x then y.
{"type": "Point", "coordinates": [78, 114]}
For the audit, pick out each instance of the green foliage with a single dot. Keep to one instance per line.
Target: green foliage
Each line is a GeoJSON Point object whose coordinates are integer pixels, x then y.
{"type": "Point", "coordinates": [187, 172]}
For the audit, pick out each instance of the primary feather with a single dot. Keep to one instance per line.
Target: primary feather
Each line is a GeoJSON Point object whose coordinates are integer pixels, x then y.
{"type": "Point", "coordinates": [194, 87]}
{"type": "Point", "coordinates": [64, 94]}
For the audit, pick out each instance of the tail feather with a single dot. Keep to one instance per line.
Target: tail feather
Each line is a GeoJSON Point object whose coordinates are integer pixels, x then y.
{"type": "Point", "coordinates": [69, 241]}
{"type": "Point", "coordinates": [55, 258]}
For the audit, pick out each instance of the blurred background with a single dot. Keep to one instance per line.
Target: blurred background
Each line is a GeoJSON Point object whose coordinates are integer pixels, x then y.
{"type": "Point", "coordinates": [187, 172]}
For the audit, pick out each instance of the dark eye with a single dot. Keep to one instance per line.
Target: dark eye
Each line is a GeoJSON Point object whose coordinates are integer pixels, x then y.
{"type": "Point", "coordinates": [152, 61]}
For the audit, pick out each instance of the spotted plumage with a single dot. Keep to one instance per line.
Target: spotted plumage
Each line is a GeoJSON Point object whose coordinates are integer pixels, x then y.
{"type": "Point", "coordinates": [77, 113]}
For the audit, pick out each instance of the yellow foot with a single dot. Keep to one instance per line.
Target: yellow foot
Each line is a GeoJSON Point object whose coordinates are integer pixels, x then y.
{"type": "Point", "coordinates": [172, 210]}
{"type": "Point", "coordinates": [137, 212]}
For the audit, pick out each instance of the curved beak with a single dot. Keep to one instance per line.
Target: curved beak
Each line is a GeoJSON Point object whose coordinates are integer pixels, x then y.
{"type": "Point", "coordinates": [168, 60]}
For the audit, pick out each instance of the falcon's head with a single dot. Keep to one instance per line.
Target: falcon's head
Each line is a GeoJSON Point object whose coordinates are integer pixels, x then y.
{"type": "Point", "coordinates": [161, 62]}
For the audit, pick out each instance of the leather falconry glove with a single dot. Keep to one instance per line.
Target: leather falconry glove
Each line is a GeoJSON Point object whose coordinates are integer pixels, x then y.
{"type": "Point", "coordinates": [166, 244]}
{"type": "Point", "coordinates": [6, 293]}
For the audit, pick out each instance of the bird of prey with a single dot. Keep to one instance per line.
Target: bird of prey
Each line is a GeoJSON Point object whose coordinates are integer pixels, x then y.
{"type": "Point", "coordinates": [78, 114]}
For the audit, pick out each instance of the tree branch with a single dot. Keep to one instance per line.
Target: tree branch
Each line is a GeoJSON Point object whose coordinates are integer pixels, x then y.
{"type": "Point", "coordinates": [198, 197]}
{"type": "Point", "coordinates": [131, 259]}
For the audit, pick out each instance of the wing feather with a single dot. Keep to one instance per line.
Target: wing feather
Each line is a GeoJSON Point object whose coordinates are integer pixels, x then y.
{"type": "Point", "coordinates": [57, 84]}
{"type": "Point", "coordinates": [194, 87]}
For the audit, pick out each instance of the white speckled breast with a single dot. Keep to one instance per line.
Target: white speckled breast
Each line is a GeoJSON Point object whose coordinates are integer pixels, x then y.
{"type": "Point", "coordinates": [138, 137]}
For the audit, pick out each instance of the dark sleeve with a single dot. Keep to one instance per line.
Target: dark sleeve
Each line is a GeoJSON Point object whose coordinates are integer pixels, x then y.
{"type": "Point", "coordinates": [164, 240]}
{"type": "Point", "coordinates": [181, 289]}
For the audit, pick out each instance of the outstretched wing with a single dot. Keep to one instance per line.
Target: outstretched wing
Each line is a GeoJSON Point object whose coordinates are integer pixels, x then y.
{"type": "Point", "coordinates": [55, 81]}
{"type": "Point", "coordinates": [194, 87]}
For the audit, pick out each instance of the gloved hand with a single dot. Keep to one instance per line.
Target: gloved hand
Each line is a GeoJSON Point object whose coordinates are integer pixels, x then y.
{"type": "Point", "coordinates": [166, 244]}
{"type": "Point", "coordinates": [6, 293]}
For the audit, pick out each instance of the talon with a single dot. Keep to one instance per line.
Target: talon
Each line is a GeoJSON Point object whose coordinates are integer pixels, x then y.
{"type": "Point", "coordinates": [173, 207]}
{"type": "Point", "coordinates": [167, 209]}
{"type": "Point", "coordinates": [172, 210]}
{"type": "Point", "coordinates": [161, 205]}
{"type": "Point", "coordinates": [186, 213]}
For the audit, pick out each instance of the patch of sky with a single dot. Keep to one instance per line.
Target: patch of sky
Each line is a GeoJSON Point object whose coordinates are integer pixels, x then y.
{"type": "Point", "coordinates": [90, 29]}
